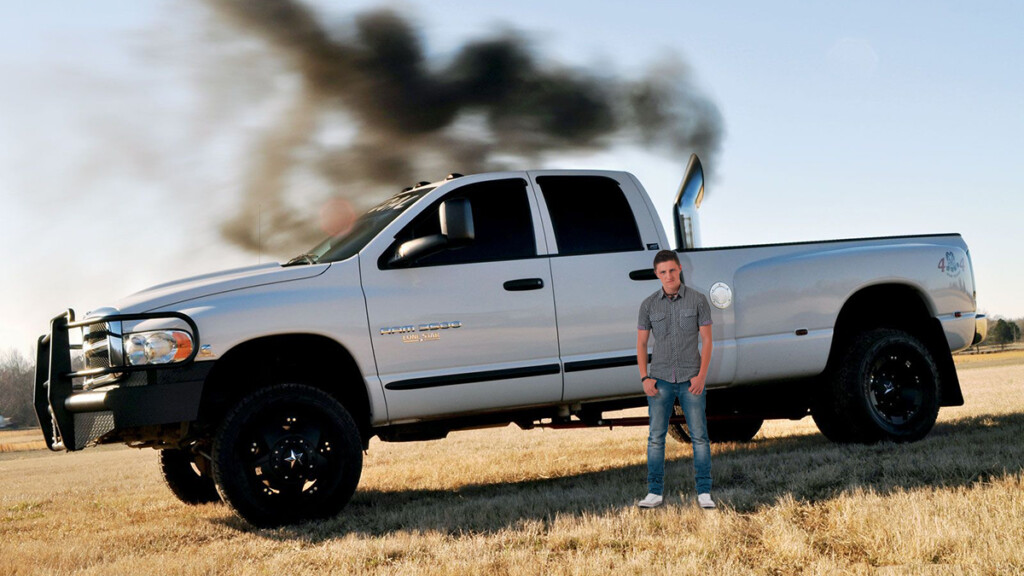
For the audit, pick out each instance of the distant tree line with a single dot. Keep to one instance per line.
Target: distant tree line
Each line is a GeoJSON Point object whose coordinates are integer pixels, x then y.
{"type": "Point", "coordinates": [16, 389]}
{"type": "Point", "coordinates": [1003, 332]}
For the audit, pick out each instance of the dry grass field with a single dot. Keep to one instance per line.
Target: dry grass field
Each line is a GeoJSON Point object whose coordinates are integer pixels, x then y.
{"type": "Point", "coordinates": [505, 501]}
{"type": "Point", "coordinates": [21, 440]}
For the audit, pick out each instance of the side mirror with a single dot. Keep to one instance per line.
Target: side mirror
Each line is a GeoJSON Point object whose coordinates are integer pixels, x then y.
{"type": "Point", "coordinates": [456, 217]}
{"type": "Point", "coordinates": [457, 221]}
{"type": "Point", "coordinates": [409, 252]}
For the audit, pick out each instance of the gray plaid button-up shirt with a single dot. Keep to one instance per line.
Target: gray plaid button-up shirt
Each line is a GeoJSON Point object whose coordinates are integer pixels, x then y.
{"type": "Point", "coordinates": [675, 324]}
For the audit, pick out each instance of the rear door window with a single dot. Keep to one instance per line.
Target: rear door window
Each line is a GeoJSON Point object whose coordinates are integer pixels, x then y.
{"type": "Point", "coordinates": [589, 215]}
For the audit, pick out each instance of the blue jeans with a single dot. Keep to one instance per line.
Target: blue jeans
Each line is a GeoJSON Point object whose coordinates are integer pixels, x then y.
{"type": "Point", "coordinates": [660, 410]}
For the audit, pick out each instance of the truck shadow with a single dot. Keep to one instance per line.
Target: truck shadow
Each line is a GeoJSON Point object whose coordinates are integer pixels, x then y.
{"type": "Point", "coordinates": [748, 477]}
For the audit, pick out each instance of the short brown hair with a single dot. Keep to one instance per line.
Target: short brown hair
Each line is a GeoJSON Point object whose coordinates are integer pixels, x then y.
{"type": "Point", "coordinates": [665, 256]}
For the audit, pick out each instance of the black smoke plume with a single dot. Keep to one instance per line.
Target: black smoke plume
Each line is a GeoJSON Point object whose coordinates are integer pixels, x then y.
{"type": "Point", "coordinates": [492, 105]}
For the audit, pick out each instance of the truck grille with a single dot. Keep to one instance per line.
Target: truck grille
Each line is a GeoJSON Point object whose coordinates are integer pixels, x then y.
{"type": "Point", "coordinates": [101, 348]}
{"type": "Point", "coordinates": [96, 347]}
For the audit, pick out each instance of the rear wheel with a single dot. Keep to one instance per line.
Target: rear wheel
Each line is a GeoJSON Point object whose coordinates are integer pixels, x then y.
{"type": "Point", "coordinates": [886, 387]}
{"type": "Point", "coordinates": [188, 476]}
{"type": "Point", "coordinates": [287, 453]}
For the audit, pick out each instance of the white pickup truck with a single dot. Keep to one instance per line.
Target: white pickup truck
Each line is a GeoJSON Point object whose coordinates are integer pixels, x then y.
{"type": "Point", "coordinates": [491, 299]}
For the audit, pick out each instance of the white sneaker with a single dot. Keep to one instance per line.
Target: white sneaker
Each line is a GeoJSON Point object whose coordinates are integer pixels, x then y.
{"type": "Point", "coordinates": [651, 501]}
{"type": "Point", "coordinates": [705, 501]}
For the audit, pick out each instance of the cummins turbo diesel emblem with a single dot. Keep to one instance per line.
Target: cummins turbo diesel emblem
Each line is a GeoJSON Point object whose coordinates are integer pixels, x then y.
{"type": "Point", "coordinates": [430, 327]}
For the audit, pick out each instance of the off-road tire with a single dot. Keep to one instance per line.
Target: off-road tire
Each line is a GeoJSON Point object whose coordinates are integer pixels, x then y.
{"type": "Point", "coordinates": [188, 477]}
{"type": "Point", "coordinates": [286, 454]}
{"type": "Point", "coordinates": [885, 387]}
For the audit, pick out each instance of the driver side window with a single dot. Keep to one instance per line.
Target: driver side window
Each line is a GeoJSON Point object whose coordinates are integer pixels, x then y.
{"type": "Point", "coordinates": [502, 222]}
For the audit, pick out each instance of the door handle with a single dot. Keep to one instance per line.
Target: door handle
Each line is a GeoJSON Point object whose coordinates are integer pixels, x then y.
{"type": "Point", "coordinates": [524, 284]}
{"type": "Point", "coordinates": [645, 274]}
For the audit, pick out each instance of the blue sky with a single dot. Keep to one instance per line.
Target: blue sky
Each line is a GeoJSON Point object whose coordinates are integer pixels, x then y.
{"type": "Point", "coordinates": [841, 120]}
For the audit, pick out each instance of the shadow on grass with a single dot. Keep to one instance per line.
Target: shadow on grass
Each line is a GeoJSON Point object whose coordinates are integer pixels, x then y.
{"type": "Point", "coordinates": [747, 477]}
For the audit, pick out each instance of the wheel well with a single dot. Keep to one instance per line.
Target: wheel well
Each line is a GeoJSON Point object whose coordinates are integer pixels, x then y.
{"type": "Point", "coordinates": [904, 308]}
{"type": "Point", "coordinates": [884, 306]}
{"type": "Point", "coordinates": [308, 359]}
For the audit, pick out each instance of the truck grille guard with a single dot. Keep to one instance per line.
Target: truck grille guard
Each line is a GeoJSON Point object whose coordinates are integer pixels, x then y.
{"type": "Point", "coordinates": [65, 383]}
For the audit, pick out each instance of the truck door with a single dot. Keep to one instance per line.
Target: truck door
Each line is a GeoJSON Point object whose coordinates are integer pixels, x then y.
{"type": "Point", "coordinates": [471, 327]}
{"type": "Point", "coordinates": [602, 239]}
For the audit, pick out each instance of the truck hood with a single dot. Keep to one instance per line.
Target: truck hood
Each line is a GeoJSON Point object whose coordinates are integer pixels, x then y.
{"type": "Point", "coordinates": [164, 295]}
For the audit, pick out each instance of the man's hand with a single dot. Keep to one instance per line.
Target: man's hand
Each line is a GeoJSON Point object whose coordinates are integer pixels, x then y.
{"type": "Point", "coordinates": [697, 384]}
{"type": "Point", "coordinates": [650, 384]}
{"type": "Point", "coordinates": [706, 343]}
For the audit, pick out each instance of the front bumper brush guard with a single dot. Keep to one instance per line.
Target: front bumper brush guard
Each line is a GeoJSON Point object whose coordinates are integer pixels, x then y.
{"type": "Point", "coordinates": [54, 389]}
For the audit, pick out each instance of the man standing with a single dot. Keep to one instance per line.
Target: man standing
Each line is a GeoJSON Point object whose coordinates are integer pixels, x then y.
{"type": "Point", "coordinates": [677, 315]}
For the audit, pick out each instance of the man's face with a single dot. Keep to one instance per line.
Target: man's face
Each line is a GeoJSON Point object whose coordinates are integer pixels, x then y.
{"type": "Point", "coordinates": [668, 273]}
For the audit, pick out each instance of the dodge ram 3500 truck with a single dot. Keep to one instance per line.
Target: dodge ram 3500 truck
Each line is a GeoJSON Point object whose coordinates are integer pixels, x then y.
{"type": "Point", "coordinates": [486, 300]}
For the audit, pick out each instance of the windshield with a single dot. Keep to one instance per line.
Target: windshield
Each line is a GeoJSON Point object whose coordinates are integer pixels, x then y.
{"type": "Point", "coordinates": [366, 227]}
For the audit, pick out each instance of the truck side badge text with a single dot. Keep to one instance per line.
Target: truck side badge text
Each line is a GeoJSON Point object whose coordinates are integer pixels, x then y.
{"type": "Point", "coordinates": [421, 333]}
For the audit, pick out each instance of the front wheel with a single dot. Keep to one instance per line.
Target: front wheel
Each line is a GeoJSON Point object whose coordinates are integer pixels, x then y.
{"type": "Point", "coordinates": [188, 476]}
{"type": "Point", "coordinates": [287, 453]}
{"type": "Point", "coordinates": [886, 387]}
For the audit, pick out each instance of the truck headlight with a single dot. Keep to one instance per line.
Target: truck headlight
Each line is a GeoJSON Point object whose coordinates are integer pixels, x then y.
{"type": "Point", "coordinates": [157, 347]}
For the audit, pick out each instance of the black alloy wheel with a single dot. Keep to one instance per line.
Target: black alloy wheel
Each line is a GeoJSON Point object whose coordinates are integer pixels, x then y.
{"type": "Point", "coordinates": [896, 384]}
{"type": "Point", "coordinates": [286, 454]}
{"type": "Point", "coordinates": [886, 387]}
